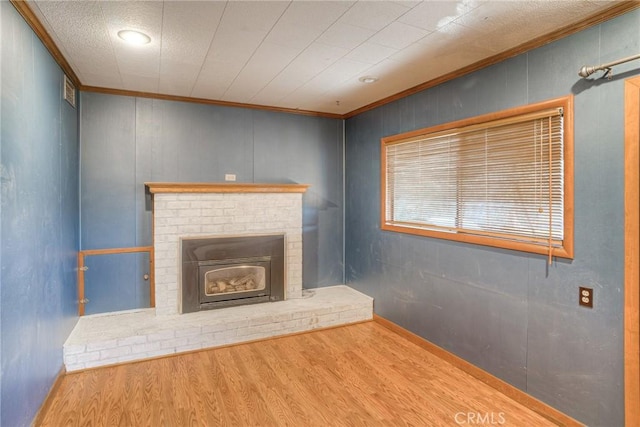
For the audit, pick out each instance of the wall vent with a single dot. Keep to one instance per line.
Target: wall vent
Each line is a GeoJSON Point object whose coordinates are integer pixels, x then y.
{"type": "Point", "coordinates": [69, 91]}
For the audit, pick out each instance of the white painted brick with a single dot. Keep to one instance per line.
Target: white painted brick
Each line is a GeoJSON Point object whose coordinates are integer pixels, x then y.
{"type": "Point", "coordinates": [164, 271]}
{"type": "Point", "coordinates": [225, 340]}
{"type": "Point", "coordinates": [159, 353]}
{"type": "Point", "coordinates": [226, 335]}
{"type": "Point", "coordinates": [88, 357]}
{"type": "Point", "coordinates": [170, 246]}
{"type": "Point", "coordinates": [274, 318]}
{"type": "Point", "coordinates": [294, 291]}
{"type": "Point", "coordinates": [226, 204]}
{"type": "Point", "coordinates": [365, 313]}
{"type": "Point", "coordinates": [164, 263]}
{"type": "Point", "coordinates": [161, 221]}
{"type": "Point", "coordinates": [217, 327]}
{"type": "Point", "coordinates": [165, 213]}
{"type": "Point", "coordinates": [114, 352]}
{"type": "Point", "coordinates": [188, 347]}
{"type": "Point", "coordinates": [189, 229]}
{"type": "Point", "coordinates": [96, 363]}
{"type": "Point", "coordinates": [74, 349]}
{"type": "Point", "coordinates": [212, 212]}
{"type": "Point", "coordinates": [173, 343]}
{"type": "Point", "coordinates": [212, 200]}
{"type": "Point", "coordinates": [178, 220]}
{"type": "Point", "coordinates": [161, 336]}
{"type": "Point", "coordinates": [128, 341]}
{"type": "Point", "coordinates": [128, 358]}
{"type": "Point", "coordinates": [145, 348]}
{"type": "Point", "coordinates": [96, 346]}
{"type": "Point", "coordinates": [328, 319]}
{"type": "Point", "coordinates": [166, 229]}
{"type": "Point", "coordinates": [190, 212]}
{"type": "Point", "coordinates": [164, 254]}
{"type": "Point", "coordinates": [70, 359]}
{"type": "Point", "coordinates": [159, 238]}
{"type": "Point", "coordinates": [171, 309]}
{"type": "Point", "coordinates": [199, 204]}
{"type": "Point", "coordinates": [255, 227]}
{"type": "Point", "coordinates": [293, 237]}
{"type": "Point", "coordinates": [177, 204]}
{"type": "Point", "coordinates": [232, 212]}
{"type": "Point", "coordinates": [211, 220]}
{"type": "Point", "coordinates": [189, 332]}
{"type": "Point", "coordinates": [293, 325]}
{"type": "Point", "coordinates": [202, 339]}
{"type": "Point", "coordinates": [258, 329]}
{"type": "Point", "coordinates": [272, 212]}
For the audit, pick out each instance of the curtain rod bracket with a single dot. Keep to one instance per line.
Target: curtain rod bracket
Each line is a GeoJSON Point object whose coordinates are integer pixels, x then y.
{"type": "Point", "coordinates": [587, 71]}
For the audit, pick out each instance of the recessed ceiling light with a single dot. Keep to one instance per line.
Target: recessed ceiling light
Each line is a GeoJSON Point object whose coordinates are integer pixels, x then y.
{"type": "Point", "coordinates": [134, 37]}
{"type": "Point", "coordinates": [368, 79]}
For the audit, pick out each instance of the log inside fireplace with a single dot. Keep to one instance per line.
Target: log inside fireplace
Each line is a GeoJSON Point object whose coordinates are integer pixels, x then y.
{"type": "Point", "coordinates": [225, 271]}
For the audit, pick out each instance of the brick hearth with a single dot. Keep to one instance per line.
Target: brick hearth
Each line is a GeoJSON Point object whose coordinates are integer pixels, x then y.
{"type": "Point", "coordinates": [107, 339]}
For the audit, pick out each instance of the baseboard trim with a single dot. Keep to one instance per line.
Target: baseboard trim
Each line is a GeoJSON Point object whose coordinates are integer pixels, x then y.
{"type": "Point", "coordinates": [507, 389]}
{"type": "Point", "coordinates": [44, 408]}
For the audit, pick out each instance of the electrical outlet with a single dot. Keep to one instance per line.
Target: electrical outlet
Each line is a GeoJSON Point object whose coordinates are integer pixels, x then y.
{"type": "Point", "coordinates": [230, 177]}
{"type": "Point", "coordinates": [586, 297]}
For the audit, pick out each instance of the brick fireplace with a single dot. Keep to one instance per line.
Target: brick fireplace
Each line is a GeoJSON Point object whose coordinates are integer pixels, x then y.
{"type": "Point", "coordinates": [184, 212]}
{"type": "Point", "coordinates": [187, 211]}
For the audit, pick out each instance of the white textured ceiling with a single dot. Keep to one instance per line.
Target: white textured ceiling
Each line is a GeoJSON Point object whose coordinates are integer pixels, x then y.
{"type": "Point", "coordinates": [305, 55]}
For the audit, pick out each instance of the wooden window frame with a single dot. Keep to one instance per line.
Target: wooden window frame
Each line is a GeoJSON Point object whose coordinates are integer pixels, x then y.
{"type": "Point", "coordinates": [563, 251]}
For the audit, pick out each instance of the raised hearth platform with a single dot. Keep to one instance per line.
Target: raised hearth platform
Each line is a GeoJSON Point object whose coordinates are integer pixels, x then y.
{"type": "Point", "coordinates": [107, 339]}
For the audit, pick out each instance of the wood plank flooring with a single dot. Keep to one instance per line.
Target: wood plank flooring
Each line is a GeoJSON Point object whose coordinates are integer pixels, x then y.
{"type": "Point", "coordinates": [356, 375]}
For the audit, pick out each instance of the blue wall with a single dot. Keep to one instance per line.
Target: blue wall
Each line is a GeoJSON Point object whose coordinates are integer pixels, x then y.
{"type": "Point", "coordinates": [127, 141]}
{"type": "Point", "coordinates": [39, 227]}
{"type": "Point", "coordinates": [508, 312]}
{"type": "Point", "coordinates": [504, 311]}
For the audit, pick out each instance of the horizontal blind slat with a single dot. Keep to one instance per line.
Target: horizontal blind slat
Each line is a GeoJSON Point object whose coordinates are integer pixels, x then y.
{"type": "Point", "coordinates": [481, 179]}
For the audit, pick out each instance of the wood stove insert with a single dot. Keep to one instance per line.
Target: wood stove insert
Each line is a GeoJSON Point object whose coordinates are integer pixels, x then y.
{"type": "Point", "coordinates": [227, 271]}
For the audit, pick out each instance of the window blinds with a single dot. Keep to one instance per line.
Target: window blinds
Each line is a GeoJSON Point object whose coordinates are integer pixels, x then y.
{"type": "Point", "coordinates": [502, 179]}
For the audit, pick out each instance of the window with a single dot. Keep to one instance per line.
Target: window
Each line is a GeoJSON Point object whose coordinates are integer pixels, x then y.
{"type": "Point", "coordinates": [503, 179]}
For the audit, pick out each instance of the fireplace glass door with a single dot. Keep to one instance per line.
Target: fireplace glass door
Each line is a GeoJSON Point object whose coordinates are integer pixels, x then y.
{"type": "Point", "coordinates": [233, 279]}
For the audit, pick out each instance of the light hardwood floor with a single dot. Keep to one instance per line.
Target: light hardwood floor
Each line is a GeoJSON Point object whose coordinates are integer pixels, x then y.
{"type": "Point", "coordinates": [356, 375]}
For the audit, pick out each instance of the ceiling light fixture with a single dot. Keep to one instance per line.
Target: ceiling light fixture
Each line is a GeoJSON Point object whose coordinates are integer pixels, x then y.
{"type": "Point", "coordinates": [368, 79]}
{"type": "Point", "coordinates": [134, 37]}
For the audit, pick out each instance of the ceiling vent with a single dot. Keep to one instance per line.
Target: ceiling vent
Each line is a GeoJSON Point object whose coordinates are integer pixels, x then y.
{"type": "Point", "coordinates": [69, 91]}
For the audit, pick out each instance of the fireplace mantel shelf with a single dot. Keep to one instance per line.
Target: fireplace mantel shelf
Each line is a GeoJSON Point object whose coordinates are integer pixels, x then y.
{"type": "Point", "coordinates": [218, 187]}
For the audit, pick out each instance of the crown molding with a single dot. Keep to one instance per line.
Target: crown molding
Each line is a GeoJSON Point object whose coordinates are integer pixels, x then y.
{"type": "Point", "coordinates": [206, 101]}
{"type": "Point", "coordinates": [618, 9]}
{"type": "Point", "coordinates": [32, 20]}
